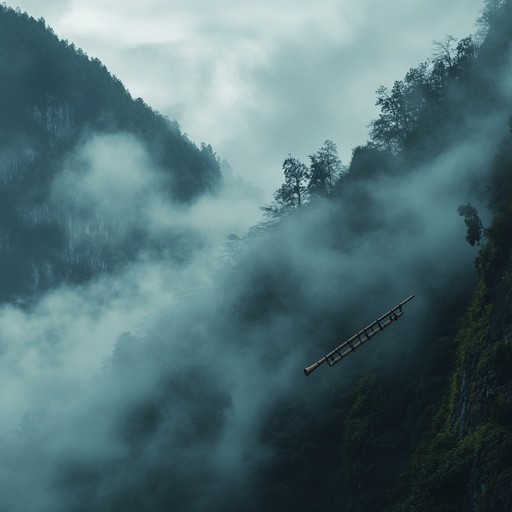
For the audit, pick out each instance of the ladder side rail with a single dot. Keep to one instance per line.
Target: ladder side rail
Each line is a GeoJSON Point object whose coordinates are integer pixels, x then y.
{"type": "Point", "coordinates": [337, 355]}
{"type": "Point", "coordinates": [340, 355]}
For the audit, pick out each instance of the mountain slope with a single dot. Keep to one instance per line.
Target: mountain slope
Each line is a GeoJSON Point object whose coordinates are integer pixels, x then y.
{"type": "Point", "coordinates": [436, 435]}
{"type": "Point", "coordinates": [465, 460]}
{"type": "Point", "coordinates": [54, 101]}
{"type": "Point", "coordinates": [145, 384]}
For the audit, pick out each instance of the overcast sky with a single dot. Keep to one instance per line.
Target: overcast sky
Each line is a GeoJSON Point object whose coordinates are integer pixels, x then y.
{"type": "Point", "coordinates": [259, 80]}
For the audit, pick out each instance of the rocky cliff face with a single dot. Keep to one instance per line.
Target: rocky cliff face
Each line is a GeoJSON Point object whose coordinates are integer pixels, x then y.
{"type": "Point", "coordinates": [500, 322]}
{"type": "Point", "coordinates": [482, 397]}
{"type": "Point", "coordinates": [461, 460]}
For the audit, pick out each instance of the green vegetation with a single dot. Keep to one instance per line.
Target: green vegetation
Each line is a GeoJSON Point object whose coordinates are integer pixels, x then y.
{"type": "Point", "coordinates": [53, 99]}
{"type": "Point", "coordinates": [303, 183]}
{"type": "Point", "coordinates": [460, 453]}
{"type": "Point", "coordinates": [437, 434]}
{"type": "Point", "coordinates": [431, 434]}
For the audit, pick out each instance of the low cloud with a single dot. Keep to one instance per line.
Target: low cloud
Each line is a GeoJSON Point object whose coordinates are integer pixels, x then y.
{"type": "Point", "coordinates": [111, 194]}
{"type": "Point", "coordinates": [156, 385]}
{"type": "Point", "coordinates": [171, 383]}
{"type": "Point", "coordinates": [259, 81]}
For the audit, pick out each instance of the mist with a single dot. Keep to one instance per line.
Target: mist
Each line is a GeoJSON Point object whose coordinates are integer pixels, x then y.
{"type": "Point", "coordinates": [155, 386]}
{"type": "Point", "coordinates": [245, 77]}
{"type": "Point", "coordinates": [172, 379]}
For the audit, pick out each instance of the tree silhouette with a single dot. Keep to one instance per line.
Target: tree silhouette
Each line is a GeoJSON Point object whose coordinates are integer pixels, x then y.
{"type": "Point", "coordinates": [293, 192]}
{"type": "Point", "coordinates": [325, 169]}
{"type": "Point", "coordinates": [473, 223]}
{"type": "Point", "coordinates": [400, 108]}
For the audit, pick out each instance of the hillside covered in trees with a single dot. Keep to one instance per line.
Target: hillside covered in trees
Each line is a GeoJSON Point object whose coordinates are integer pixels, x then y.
{"type": "Point", "coordinates": [435, 434]}
{"type": "Point", "coordinates": [54, 100]}
{"type": "Point", "coordinates": [139, 376]}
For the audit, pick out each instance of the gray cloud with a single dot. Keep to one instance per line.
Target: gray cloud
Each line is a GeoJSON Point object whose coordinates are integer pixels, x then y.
{"type": "Point", "coordinates": [156, 386]}
{"type": "Point", "coordinates": [160, 386]}
{"type": "Point", "coordinates": [261, 80]}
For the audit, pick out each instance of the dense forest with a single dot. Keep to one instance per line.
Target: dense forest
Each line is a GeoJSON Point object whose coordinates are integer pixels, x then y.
{"type": "Point", "coordinates": [55, 99]}
{"type": "Point", "coordinates": [138, 375]}
{"type": "Point", "coordinates": [435, 435]}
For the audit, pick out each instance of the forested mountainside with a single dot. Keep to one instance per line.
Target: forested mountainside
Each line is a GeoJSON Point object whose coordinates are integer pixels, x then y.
{"type": "Point", "coordinates": [56, 104]}
{"type": "Point", "coordinates": [433, 431]}
{"type": "Point", "coordinates": [439, 435]}
{"type": "Point", "coordinates": [145, 383]}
